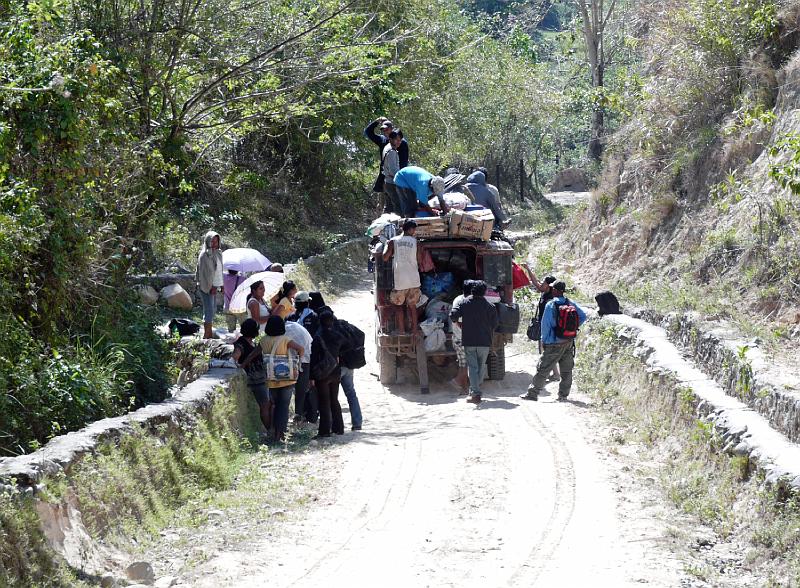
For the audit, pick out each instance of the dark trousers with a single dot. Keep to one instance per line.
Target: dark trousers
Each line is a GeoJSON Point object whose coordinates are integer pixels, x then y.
{"type": "Point", "coordinates": [408, 201]}
{"type": "Point", "coordinates": [392, 203]}
{"type": "Point", "coordinates": [301, 389]}
{"type": "Point", "coordinates": [330, 411]}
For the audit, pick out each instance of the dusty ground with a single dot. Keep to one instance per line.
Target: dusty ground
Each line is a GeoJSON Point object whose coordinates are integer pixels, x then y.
{"type": "Point", "coordinates": [437, 492]}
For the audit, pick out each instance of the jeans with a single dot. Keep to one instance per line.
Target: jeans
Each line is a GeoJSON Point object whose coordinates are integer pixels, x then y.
{"type": "Point", "coordinates": [209, 306]}
{"type": "Point", "coordinates": [330, 411]}
{"type": "Point", "coordinates": [301, 389]}
{"type": "Point", "coordinates": [476, 367]}
{"type": "Point", "coordinates": [562, 354]}
{"type": "Point", "coordinates": [352, 400]}
{"type": "Point", "coordinates": [281, 397]}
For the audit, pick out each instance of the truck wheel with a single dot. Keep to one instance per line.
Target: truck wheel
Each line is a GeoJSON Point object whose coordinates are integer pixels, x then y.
{"type": "Point", "coordinates": [496, 364]}
{"type": "Point", "coordinates": [388, 367]}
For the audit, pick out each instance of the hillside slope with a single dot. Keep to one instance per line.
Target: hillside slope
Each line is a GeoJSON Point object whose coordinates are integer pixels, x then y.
{"type": "Point", "coordinates": [695, 209]}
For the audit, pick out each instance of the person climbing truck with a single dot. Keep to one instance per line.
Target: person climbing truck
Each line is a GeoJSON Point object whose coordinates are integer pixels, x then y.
{"type": "Point", "coordinates": [560, 323]}
{"type": "Point", "coordinates": [402, 250]}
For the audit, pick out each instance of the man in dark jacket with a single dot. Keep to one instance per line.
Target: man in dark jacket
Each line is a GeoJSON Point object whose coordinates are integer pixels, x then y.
{"type": "Point", "coordinates": [477, 319]}
{"type": "Point", "coordinates": [476, 182]}
{"type": "Point", "coordinates": [381, 141]}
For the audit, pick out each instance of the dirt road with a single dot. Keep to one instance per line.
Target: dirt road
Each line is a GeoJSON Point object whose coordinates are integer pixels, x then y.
{"type": "Point", "coordinates": [437, 492]}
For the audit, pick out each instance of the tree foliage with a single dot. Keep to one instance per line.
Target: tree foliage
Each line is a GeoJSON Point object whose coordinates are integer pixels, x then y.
{"type": "Point", "coordinates": [135, 125]}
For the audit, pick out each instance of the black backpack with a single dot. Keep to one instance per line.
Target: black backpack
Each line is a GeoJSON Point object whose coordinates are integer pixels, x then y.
{"type": "Point", "coordinates": [185, 327]}
{"type": "Point", "coordinates": [352, 355]}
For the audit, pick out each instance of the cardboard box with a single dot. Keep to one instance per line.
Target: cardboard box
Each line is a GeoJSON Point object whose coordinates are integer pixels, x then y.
{"type": "Point", "coordinates": [434, 227]}
{"type": "Point", "coordinates": [472, 225]}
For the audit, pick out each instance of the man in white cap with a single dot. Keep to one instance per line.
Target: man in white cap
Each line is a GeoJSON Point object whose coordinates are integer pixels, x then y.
{"type": "Point", "coordinates": [415, 186]}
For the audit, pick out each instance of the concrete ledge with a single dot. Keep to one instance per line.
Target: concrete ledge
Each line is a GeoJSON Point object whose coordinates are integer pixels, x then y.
{"type": "Point", "coordinates": [744, 431]}
{"type": "Point", "coordinates": [64, 451]}
{"type": "Point", "coordinates": [739, 365]}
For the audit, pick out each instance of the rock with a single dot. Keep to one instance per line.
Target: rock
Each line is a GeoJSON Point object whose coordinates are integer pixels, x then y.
{"type": "Point", "coordinates": [570, 179]}
{"type": "Point", "coordinates": [147, 295]}
{"type": "Point", "coordinates": [109, 581]}
{"type": "Point", "coordinates": [141, 571]}
{"type": "Point", "coordinates": [166, 582]}
{"type": "Point", "coordinates": [177, 297]}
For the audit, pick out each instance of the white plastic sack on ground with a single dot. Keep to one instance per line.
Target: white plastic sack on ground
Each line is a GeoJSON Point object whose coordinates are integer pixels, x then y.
{"type": "Point", "coordinates": [435, 337]}
{"type": "Point", "coordinates": [455, 200]}
{"type": "Point", "coordinates": [423, 300]}
{"type": "Point", "coordinates": [379, 224]}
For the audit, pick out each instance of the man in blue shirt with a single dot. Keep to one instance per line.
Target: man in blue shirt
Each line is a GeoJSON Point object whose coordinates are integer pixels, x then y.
{"type": "Point", "coordinates": [556, 350]}
{"type": "Point", "coordinates": [415, 186]}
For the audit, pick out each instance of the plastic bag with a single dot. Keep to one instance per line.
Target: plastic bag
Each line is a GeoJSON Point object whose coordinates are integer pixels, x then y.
{"type": "Point", "coordinates": [438, 310]}
{"type": "Point", "coordinates": [435, 284]}
{"type": "Point", "coordinates": [380, 223]}
{"type": "Point", "coordinates": [435, 337]}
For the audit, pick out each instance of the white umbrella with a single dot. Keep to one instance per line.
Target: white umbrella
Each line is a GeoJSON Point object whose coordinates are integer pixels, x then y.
{"type": "Point", "coordinates": [272, 282]}
{"type": "Point", "coordinates": [244, 260]}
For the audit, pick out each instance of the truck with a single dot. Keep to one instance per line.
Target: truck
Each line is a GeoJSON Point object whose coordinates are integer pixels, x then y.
{"type": "Point", "coordinates": [490, 261]}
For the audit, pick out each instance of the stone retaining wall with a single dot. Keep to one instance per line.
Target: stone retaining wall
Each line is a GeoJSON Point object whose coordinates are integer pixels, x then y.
{"type": "Point", "coordinates": [178, 412]}
{"type": "Point", "coordinates": [740, 366]}
{"type": "Point", "coordinates": [743, 430]}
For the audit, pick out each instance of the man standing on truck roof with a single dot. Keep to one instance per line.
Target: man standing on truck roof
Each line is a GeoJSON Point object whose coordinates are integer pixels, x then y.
{"type": "Point", "coordinates": [391, 165]}
{"type": "Point", "coordinates": [402, 250]}
{"type": "Point", "coordinates": [381, 141]}
{"type": "Point", "coordinates": [415, 186]}
{"type": "Point", "coordinates": [560, 322]}
{"type": "Point", "coordinates": [477, 318]}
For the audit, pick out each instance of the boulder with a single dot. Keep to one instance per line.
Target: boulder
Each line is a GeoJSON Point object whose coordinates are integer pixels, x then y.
{"type": "Point", "coordinates": [147, 295]}
{"type": "Point", "coordinates": [571, 179]}
{"type": "Point", "coordinates": [142, 572]}
{"type": "Point", "coordinates": [176, 297]}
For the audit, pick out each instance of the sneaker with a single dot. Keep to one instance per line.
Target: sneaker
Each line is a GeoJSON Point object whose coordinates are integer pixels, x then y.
{"type": "Point", "coordinates": [474, 399]}
{"type": "Point", "coordinates": [562, 398]}
{"type": "Point", "coordinates": [531, 394]}
{"type": "Point", "coordinates": [355, 428]}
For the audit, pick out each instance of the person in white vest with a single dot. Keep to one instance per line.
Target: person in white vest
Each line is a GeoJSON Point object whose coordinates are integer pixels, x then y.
{"type": "Point", "coordinates": [402, 250]}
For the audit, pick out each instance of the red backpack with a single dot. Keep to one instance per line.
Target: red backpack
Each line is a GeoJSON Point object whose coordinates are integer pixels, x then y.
{"type": "Point", "coordinates": [567, 320]}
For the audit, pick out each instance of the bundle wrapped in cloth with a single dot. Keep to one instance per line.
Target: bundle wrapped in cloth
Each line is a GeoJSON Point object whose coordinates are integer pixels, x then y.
{"type": "Point", "coordinates": [454, 200]}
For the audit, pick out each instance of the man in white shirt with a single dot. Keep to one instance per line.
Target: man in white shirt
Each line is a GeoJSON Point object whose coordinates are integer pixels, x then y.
{"type": "Point", "coordinates": [402, 251]}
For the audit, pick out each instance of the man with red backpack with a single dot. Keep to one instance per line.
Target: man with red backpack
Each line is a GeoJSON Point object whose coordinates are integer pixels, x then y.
{"type": "Point", "coordinates": [560, 323]}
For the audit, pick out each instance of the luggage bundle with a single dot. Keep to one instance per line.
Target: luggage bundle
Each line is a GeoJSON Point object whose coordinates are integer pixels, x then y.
{"type": "Point", "coordinates": [476, 222]}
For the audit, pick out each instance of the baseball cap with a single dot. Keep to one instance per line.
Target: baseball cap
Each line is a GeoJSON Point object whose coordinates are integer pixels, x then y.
{"type": "Point", "coordinates": [302, 296]}
{"type": "Point", "coordinates": [387, 124]}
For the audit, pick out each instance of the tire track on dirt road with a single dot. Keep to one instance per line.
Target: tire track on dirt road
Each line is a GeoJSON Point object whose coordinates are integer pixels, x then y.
{"type": "Point", "coordinates": [563, 505]}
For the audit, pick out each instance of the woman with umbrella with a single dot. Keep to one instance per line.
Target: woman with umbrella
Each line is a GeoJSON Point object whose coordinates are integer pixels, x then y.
{"type": "Point", "coordinates": [257, 307]}
{"type": "Point", "coordinates": [238, 262]}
